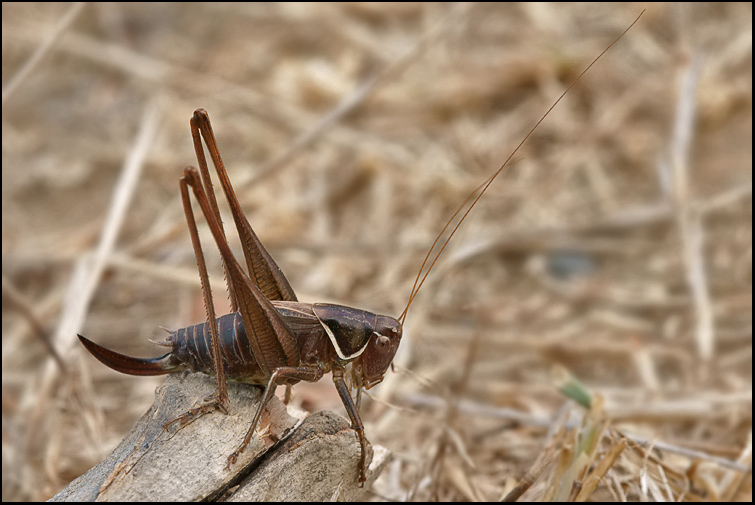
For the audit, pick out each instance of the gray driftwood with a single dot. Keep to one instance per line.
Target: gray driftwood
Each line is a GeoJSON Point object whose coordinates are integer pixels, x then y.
{"type": "Point", "coordinates": [313, 459]}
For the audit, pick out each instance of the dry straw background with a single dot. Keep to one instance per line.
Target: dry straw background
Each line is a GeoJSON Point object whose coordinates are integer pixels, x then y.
{"type": "Point", "coordinates": [616, 248]}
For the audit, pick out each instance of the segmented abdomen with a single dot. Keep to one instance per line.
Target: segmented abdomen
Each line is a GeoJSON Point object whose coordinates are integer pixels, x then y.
{"type": "Point", "coordinates": [192, 346]}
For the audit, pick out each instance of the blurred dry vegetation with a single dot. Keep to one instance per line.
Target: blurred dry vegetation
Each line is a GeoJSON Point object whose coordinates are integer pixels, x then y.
{"type": "Point", "coordinates": [617, 247]}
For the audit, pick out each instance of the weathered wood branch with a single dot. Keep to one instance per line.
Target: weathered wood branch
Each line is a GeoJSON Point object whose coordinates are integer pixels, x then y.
{"type": "Point", "coordinates": [314, 459]}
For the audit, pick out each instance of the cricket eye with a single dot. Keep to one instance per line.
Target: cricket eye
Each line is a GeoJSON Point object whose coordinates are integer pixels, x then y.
{"type": "Point", "coordinates": [382, 342]}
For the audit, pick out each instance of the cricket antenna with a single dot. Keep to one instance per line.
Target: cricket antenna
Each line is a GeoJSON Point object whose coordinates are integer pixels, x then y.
{"type": "Point", "coordinates": [420, 280]}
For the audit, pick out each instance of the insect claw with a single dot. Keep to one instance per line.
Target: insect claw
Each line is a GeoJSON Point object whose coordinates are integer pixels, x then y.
{"type": "Point", "coordinates": [232, 459]}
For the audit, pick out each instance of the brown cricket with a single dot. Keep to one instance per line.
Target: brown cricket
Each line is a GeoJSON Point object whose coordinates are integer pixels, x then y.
{"type": "Point", "coordinates": [270, 338]}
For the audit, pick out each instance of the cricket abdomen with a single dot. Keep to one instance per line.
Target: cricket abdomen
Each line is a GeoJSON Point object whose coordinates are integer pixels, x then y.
{"type": "Point", "coordinates": [192, 347]}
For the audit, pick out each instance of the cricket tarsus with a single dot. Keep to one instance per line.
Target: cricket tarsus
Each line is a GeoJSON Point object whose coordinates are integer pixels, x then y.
{"type": "Point", "coordinates": [270, 338]}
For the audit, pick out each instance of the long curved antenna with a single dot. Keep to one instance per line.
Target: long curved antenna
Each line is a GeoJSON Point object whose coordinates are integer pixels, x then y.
{"type": "Point", "coordinates": [417, 282]}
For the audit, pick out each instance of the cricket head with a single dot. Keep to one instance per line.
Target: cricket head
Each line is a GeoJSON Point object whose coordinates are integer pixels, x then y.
{"type": "Point", "coordinates": [368, 340]}
{"type": "Point", "coordinates": [380, 350]}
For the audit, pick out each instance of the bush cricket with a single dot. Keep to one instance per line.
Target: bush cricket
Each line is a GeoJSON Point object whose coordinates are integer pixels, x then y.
{"type": "Point", "coordinates": [270, 338]}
